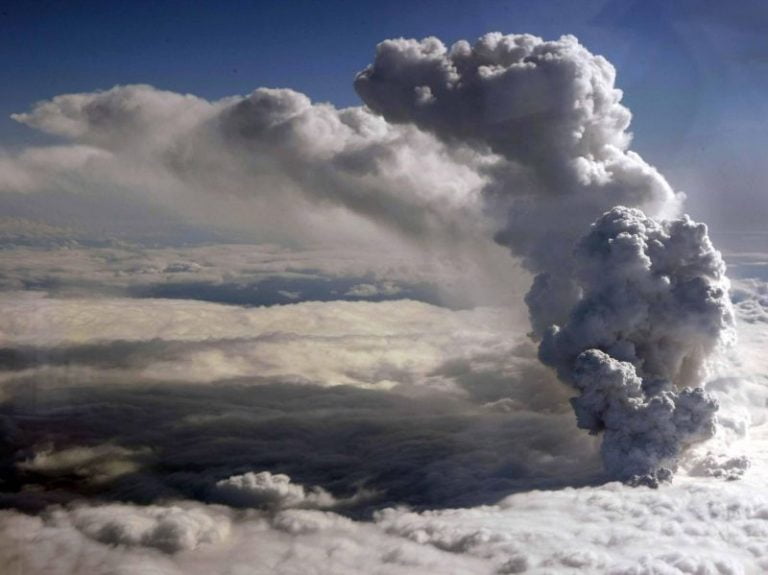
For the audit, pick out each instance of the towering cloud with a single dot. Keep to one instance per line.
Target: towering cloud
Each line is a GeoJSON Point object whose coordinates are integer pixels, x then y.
{"type": "Point", "coordinates": [553, 114]}
{"type": "Point", "coordinates": [654, 306]}
{"type": "Point", "coordinates": [514, 136]}
{"type": "Point", "coordinates": [159, 413]}
{"type": "Point", "coordinates": [641, 303]}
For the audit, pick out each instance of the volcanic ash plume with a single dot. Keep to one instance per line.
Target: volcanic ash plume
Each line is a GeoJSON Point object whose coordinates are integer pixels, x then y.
{"type": "Point", "coordinates": [654, 305]}
{"type": "Point", "coordinates": [641, 302]}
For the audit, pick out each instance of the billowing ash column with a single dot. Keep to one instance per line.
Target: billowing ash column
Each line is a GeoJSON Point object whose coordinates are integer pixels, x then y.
{"type": "Point", "coordinates": [653, 307]}
{"type": "Point", "coordinates": [628, 314]}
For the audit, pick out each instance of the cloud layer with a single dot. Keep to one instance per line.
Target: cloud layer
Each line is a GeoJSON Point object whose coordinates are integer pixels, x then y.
{"type": "Point", "coordinates": [154, 420]}
{"type": "Point", "coordinates": [688, 529]}
{"type": "Point", "coordinates": [409, 401]}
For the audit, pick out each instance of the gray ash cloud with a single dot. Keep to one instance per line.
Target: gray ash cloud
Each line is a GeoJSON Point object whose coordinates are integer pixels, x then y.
{"type": "Point", "coordinates": [629, 313]}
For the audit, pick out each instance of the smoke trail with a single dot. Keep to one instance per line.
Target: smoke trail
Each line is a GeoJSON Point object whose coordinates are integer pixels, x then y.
{"type": "Point", "coordinates": [641, 303]}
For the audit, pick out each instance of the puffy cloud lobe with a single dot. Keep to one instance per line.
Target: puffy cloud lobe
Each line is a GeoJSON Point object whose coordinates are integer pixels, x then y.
{"type": "Point", "coordinates": [643, 434]}
{"type": "Point", "coordinates": [272, 491]}
{"type": "Point", "coordinates": [723, 466]}
{"type": "Point", "coordinates": [553, 114]}
{"type": "Point", "coordinates": [170, 529]}
{"type": "Point", "coordinates": [654, 305]}
{"type": "Point", "coordinates": [654, 294]}
{"type": "Point", "coordinates": [525, 98]}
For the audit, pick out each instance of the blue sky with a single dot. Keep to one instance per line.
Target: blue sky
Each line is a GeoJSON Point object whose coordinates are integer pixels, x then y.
{"type": "Point", "coordinates": [219, 49]}
{"type": "Point", "coordinates": [694, 72]}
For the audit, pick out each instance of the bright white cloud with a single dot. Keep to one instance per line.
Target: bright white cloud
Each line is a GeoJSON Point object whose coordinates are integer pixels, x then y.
{"type": "Point", "coordinates": [273, 491]}
{"type": "Point", "coordinates": [691, 528]}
